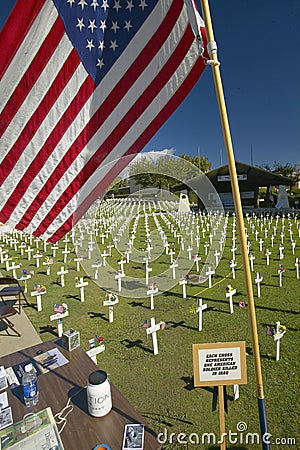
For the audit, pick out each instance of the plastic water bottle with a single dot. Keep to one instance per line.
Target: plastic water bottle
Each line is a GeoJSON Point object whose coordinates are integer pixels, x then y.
{"type": "Point", "coordinates": [30, 388]}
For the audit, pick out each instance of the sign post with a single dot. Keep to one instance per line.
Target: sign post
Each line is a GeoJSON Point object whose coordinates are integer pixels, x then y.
{"type": "Point", "coordinates": [220, 364]}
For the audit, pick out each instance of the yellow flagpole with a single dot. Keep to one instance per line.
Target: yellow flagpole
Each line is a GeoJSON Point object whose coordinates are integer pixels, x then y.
{"type": "Point", "coordinates": [212, 51]}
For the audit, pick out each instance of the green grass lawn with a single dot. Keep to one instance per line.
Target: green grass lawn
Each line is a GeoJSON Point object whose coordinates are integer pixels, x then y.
{"type": "Point", "coordinates": [161, 387]}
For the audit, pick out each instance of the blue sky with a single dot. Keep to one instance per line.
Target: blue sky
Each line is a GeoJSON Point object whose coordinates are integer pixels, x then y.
{"type": "Point", "coordinates": [260, 67]}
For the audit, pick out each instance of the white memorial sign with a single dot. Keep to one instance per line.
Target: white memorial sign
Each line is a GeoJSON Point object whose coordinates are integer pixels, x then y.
{"type": "Point", "coordinates": [221, 363]}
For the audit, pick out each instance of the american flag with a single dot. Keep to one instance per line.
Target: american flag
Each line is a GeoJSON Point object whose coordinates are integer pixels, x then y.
{"type": "Point", "coordinates": [84, 86]}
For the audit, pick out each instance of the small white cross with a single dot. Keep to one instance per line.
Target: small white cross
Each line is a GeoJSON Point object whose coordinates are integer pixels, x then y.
{"type": "Point", "coordinates": [183, 283]}
{"type": "Point", "coordinates": [258, 280]}
{"type": "Point", "coordinates": [62, 274]}
{"type": "Point", "coordinates": [209, 274]}
{"type": "Point", "coordinates": [229, 295]}
{"type": "Point", "coordinates": [200, 310]}
{"type": "Point", "coordinates": [152, 291]}
{"type": "Point", "coordinates": [112, 300]}
{"type": "Point", "coordinates": [81, 285]}
{"type": "Point", "coordinates": [153, 330]}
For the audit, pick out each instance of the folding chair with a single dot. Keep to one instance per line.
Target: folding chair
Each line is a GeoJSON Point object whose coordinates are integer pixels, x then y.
{"type": "Point", "coordinates": [12, 288]}
{"type": "Point", "coordinates": [5, 312]}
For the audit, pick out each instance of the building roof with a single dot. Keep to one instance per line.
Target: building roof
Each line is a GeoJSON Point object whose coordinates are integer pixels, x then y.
{"type": "Point", "coordinates": [255, 175]}
{"type": "Point", "coordinates": [249, 176]}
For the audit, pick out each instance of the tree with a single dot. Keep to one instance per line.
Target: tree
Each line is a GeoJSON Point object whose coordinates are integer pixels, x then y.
{"type": "Point", "coordinates": [288, 170]}
{"type": "Point", "coordinates": [205, 165]}
{"type": "Point", "coordinates": [166, 170]}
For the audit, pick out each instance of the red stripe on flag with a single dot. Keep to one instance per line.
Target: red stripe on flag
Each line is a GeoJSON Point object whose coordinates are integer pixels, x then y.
{"type": "Point", "coordinates": [32, 74]}
{"type": "Point", "coordinates": [100, 116]}
{"type": "Point", "coordinates": [16, 28]}
{"type": "Point", "coordinates": [29, 131]}
{"type": "Point", "coordinates": [53, 139]}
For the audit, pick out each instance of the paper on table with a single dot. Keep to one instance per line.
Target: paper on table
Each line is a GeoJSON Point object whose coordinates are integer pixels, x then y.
{"type": "Point", "coordinates": [3, 400]}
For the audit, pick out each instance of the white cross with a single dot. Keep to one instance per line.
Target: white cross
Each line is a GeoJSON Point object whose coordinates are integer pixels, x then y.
{"type": "Point", "coordinates": [209, 274]}
{"type": "Point", "coordinates": [96, 267]}
{"type": "Point", "coordinates": [172, 253]}
{"type": "Point", "coordinates": [280, 277]}
{"type": "Point", "coordinates": [272, 240]}
{"type": "Point", "coordinates": [206, 245]}
{"type": "Point", "coordinates": [110, 246]}
{"type": "Point", "coordinates": [152, 291]}
{"type": "Point", "coordinates": [93, 352]}
{"type": "Point", "coordinates": [29, 251]}
{"type": "Point", "coordinates": [281, 255]}
{"type": "Point", "coordinates": [277, 336]}
{"type": "Point", "coordinates": [24, 278]}
{"type": "Point", "coordinates": [22, 247]}
{"type": "Point", "coordinates": [252, 258]}
{"type": "Point", "coordinates": [65, 253]}
{"type": "Point", "coordinates": [45, 243]}
{"type": "Point", "coordinates": [121, 264]}
{"type": "Point", "coordinates": [167, 245]}
{"type": "Point", "coordinates": [104, 256]}
{"type": "Point", "coordinates": [293, 247]}
{"type": "Point", "coordinates": [38, 296]}
{"type": "Point", "coordinates": [127, 255]}
{"type": "Point", "coordinates": [216, 255]}
{"type": "Point", "coordinates": [48, 263]}
{"type": "Point", "coordinates": [37, 257]}
{"type": "Point", "coordinates": [268, 253]}
{"type": "Point", "coordinates": [78, 260]}
{"type": "Point", "coordinates": [261, 241]}
{"type": "Point", "coordinates": [62, 274]}
{"type": "Point", "coordinates": [233, 250]}
{"type": "Point", "coordinates": [3, 255]}
{"type": "Point", "coordinates": [81, 284]}
{"type": "Point", "coordinates": [229, 295]}
{"type": "Point", "coordinates": [197, 259]}
{"type": "Point", "coordinates": [153, 330]}
{"type": "Point", "coordinates": [189, 250]}
{"type": "Point", "coordinates": [258, 280]}
{"type": "Point", "coordinates": [90, 251]}
{"type": "Point", "coordinates": [54, 248]}
{"type": "Point", "coordinates": [183, 283]}
{"type": "Point", "coordinates": [236, 391]}
{"type": "Point", "coordinates": [14, 268]}
{"type": "Point", "coordinates": [119, 277]}
{"type": "Point", "coordinates": [148, 269]}
{"type": "Point", "coordinates": [173, 267]}
{"type": "Point", "coordinates": [297, 267]}
{"type": "Point", "coordinates": [112, 300]}
{"type": "Point", "coordinates": [232, 266]}
{"type": "Point", "coordinates": [200, 310]}
{"type": "Point", "coordinates": [76, 245]}
{"type": "Point", "coordinates": [59, 317]}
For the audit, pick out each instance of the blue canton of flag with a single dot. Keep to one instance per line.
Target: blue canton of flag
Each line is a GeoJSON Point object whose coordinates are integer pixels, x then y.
{"type": "Point", "coordinates": [101, 30]}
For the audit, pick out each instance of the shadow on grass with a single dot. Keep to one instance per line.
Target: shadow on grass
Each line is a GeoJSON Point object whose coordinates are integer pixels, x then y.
{"type": "Point", "coordinates": [94, 315]}
{"type": "Point", "coordinates": [48, 329]}
{"type": "Point", "coordinates": [138, 343]}
{"type": "Point", "coordinates": [162, 419]}
{"type": "Point", "coordinates": [75, 297]}
{"type": "Point", "coordinates": [134, 304]}
{"type": "Point", "coordinates": [180, 324]}
{"type": "Point", "coordinates": [256, 306]}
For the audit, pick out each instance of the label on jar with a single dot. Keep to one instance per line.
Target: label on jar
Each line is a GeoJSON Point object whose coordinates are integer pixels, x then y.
{"type": "Point", "coordinates": [99, 401]}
